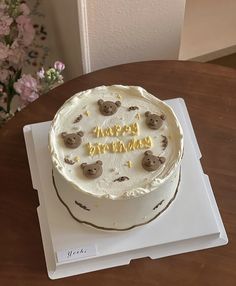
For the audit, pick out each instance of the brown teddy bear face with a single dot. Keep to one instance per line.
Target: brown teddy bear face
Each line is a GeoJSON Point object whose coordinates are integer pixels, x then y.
{"type": "Point", "coordinates": [108, 107]}
{"type": "Point", "coordinates": [72, 140]}
{"type": "Point", "coordinates": [154, 121]}
{"type": "Point", "coordinates": [151, 162]}
{"type": "Point", "coordinates": [92, 171]}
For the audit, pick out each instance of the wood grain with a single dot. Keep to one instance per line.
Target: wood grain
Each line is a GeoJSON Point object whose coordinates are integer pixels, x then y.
{"type": "Point", "coordinates": [210, 94]}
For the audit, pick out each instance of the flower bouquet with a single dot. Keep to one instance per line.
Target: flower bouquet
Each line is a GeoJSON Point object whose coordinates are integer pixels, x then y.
{"type": "Point", "coordinates": [16, 35]}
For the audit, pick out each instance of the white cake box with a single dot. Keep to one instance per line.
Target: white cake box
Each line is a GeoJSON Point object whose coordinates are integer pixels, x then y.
{"type": "Point", "coordinates": [192, 222]}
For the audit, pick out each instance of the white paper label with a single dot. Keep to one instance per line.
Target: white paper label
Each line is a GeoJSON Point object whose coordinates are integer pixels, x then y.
{"type": "Point", "coordinates": [76, 253]}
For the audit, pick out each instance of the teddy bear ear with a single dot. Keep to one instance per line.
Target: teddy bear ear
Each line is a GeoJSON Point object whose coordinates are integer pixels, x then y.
{"type": "Point", "coordinates": [147, 113]}
{"type": "Point", "coordinates": [83, 165]}
{"type": "Point", "coordinates": [99, 162]}
{"type": "Point", "coordinates": [63, 134]}
{"type": "Point", "coordinates": [118, 103]}
{"type": "Point", "coordinates": [148, 152]}
{"type": "Point", "coordinates": [100, 102]}
{"type": "Point", "coordinates": [80, 133]}
{"type": "Point", "coordinates": [163, 117]}
{"type": "Point", "coordinates": [162, 159]}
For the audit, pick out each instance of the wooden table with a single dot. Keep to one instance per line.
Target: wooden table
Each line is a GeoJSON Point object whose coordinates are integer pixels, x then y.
{"type": "Point", "coordinates": [210, 94]}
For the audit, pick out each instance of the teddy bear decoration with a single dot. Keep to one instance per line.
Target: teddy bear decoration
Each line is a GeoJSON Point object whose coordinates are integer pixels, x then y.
{"type": "Point", "coordinates": [153, 120]}
{"type": "Point", "coordinates": [151, 162]}
{"type": "Point", "coordinates": [108, 108]}
{"type": "Point", "coordinates": [72, 140]}
{"type": "Point", "coordinates": [93, 170]}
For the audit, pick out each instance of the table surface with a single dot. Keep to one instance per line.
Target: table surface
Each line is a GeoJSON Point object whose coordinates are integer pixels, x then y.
{"type": "Point", "coordinates": [210, 95]}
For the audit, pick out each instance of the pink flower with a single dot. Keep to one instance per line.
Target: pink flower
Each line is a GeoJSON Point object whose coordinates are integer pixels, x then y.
{"type": "Point", "coordinates": [5, 22]}
{"type": "Point", "coordinates": [27, 88]}
{"type": "Point", "coordinates": [41, 73]}
{"type": "Point", "coordinates": [26, 29]}
{"type": "Point", "coordinates": [4, 50]}
{"type": "Point", "coordinates": [3, 7]}
{"type": "Point", "coordinates": [4, 73]}
{"type": "Point", "coordinates": [59, 66]}
{"type": "Point", "coordinates": [16, 54]}
{"type": "Point", "coordinates": [24, 9]}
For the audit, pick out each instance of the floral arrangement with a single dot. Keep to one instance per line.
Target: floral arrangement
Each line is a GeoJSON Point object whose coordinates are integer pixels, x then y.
{"type": "Point", "coordinates": [16, 35]}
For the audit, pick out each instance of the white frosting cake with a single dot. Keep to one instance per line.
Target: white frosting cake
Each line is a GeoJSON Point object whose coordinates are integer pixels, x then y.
{"type": "Point", "coordinates": [116, 153]}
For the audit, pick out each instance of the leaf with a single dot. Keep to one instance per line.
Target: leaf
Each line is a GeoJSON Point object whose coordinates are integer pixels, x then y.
{"type": "Point", "coordinates": [3, 84]}
{"type": "Point", "coordinates": [3, 109]}
{"type": "Point", "coordinates": [7, 39]}
{"type": "Point", "coordinates": [17, 75]}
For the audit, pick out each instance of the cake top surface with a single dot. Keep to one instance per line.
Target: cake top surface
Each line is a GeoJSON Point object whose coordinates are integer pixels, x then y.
{"type": "Point", "coordinates": [115, 141]}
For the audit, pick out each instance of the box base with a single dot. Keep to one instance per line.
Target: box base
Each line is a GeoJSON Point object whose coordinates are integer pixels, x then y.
{"type": "Point", "coordinates": [172, 233]}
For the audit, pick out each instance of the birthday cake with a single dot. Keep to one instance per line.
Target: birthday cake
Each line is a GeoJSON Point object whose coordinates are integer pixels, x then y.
{"type": "Point", "coordinates": [116, 153]}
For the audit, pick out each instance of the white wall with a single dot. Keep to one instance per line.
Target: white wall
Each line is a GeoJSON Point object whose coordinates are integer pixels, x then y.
{"type": "Point", "coordinates": [120, 31]}
{"type": "Point", "coordinates": [209, 29]}
{"type": "Point", "coordinates": [111, 32]}
{"type": "Point", "coordinates": [63, 34]}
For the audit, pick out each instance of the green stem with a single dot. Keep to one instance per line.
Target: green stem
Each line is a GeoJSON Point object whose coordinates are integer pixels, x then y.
{"type": "Point", "coordinates": [10, 89]}
{"type": "Point", "coordinates": [9, 100]}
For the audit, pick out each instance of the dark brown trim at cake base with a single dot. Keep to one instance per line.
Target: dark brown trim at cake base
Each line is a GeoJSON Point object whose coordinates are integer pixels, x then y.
{"type": "Point", "coordinates": [115, 229]}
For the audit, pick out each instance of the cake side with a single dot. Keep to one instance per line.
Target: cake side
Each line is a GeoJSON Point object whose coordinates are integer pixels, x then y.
{"type": "Point", "coordinates": [116, 215]}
